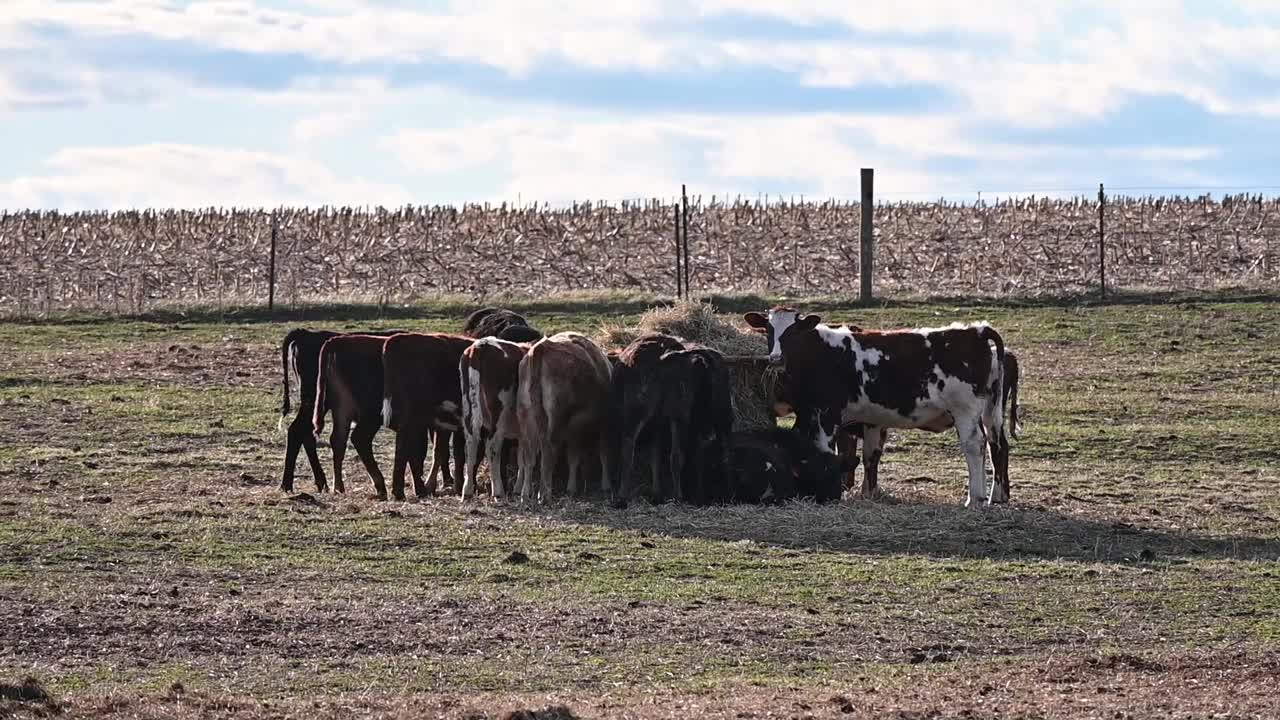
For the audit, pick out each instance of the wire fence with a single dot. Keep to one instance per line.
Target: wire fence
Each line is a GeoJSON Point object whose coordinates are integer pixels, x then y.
{"type": "Point", "coordinates": [1019, 246]}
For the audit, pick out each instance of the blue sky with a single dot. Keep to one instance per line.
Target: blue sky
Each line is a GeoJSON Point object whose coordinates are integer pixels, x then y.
{"type": "Point", "coordinates": [163, 103]}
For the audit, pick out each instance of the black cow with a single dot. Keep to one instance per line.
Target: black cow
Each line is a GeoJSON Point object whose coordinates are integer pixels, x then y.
{"type": "Point", "coordinates": [779, 464]}
{"type": "Point", "coordinates": [680, 392]}
{"type": "Point", "coordinates": [300, 352]}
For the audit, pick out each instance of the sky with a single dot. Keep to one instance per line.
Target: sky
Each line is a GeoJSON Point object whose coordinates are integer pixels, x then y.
{"type": "Point", "coordinates": [116, 104]}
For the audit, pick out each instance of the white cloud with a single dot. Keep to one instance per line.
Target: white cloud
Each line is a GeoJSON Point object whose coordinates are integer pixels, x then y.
{"type": "Point", "coordinates": [170, 175]}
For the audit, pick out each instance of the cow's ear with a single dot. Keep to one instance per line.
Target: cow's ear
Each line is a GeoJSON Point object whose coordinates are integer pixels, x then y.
{"type": "Point", "coordinates": [756, 321]}
{"type": "Point", "coordinates": [808, 322]}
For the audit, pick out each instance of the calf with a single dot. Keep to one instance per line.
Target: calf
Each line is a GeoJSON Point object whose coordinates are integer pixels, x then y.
{"type": "Point", "coordinates": [421, 393]}
{"type": "Point", "coordinates": [300, 352]}
{"type": "Point", "coordinates": [562, 403]}
{"type": "Point", "coordinates": [778, 464]}
{"type": "Point", "coordinates": [490, 322]}
{"type": "Point", "coordinates": [490, 371]}
{"type": "Point", "coordinates": [349, 384]}
{"type": "Point", "coordinates": [681, 392]}
{"type": "Point", "coordinates": [926, 378]}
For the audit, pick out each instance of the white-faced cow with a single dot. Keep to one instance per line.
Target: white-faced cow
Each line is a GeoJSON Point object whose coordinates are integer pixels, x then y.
{"type": "Point", "coordinates": [930, 379]}
{"type": "Point", "coordinates": [563, 407]}
{"type": "Point", "coordinates": [422, 393]}
{"type": "Point", "coordinates": [490, 375]}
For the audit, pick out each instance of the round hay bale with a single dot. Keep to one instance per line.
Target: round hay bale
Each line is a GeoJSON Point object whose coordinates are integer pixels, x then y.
{"type": "Point", "coordinates": [754, 382]}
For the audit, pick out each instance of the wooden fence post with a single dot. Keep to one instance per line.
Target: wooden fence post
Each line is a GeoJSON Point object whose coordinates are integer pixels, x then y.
{"type": "Point", "coordinates": [679, 275]}
{"type": "Point", "coordinates": [1102, 241]}
{"type": "Point", "coordinates": [868, 229]}
{"type": "Point", "coordinates": [271, 270]}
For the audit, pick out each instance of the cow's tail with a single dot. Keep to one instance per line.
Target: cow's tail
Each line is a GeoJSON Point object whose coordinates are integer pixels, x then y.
{"type": "Point", "coordinates": [1010, 400]}
{"type": "Point", "coordinates": [287, 349]}
{"type": "Point", "coordinates": [322, 383]}
{"type": "Point", "coordinates": [388, 370]}
{"type": "Point", "coordinates": [995, 403]}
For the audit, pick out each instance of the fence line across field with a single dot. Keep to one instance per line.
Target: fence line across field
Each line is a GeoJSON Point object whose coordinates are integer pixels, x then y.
{"type": "Point", "coordinates": [1023, 246]}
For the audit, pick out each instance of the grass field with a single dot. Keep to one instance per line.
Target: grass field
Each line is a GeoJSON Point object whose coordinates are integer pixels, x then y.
{"type": "Point", "coordinates": [149, 566]}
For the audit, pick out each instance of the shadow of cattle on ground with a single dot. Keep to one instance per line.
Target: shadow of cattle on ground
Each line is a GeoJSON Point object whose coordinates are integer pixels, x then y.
{"type": "Point", "coordinates": [889, 526]}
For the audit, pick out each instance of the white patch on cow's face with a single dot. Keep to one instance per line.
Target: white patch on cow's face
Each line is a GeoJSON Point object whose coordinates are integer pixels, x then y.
{"type": "Point", "coordinates": [779, 322]}
{"type": "Point", "coordinates": [768, 466]}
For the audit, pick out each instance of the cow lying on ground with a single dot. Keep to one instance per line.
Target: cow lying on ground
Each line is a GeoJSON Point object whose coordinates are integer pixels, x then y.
{"type": "Point", "coordinates": [421, 393]}
{"type": "Point", "coordinates": [682, 394]}
{"type": "Point", "coordinates": [349, 384]}
{"type": "Point", "coordinates": [562, 406]}
{"type": "Point", "coordinates": [928, 378]}
{"type": "Point", "coordinates": [489, 370]}
{"type": "Point", "coordinates": [778, 464]}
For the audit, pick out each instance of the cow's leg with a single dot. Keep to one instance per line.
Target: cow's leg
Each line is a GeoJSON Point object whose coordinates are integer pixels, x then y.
{"type": "Point", "coordinates": [398, 465]}
{"type": "Point", "coordinates": [528, 453]}
{"type": "Point", "coordinates": [575, 453]}
{"type": "Point", "coordinates": [655, 468]}
{"type": "Point", "coordinates": [677, 460]}
{"type": "Point", "coordinates": [459, 455]}
{"type": "Point", "coordinates": [1000, 467]}
{"type": "Point", "coordinates": [606, 464]}
{"type": "Point", "coordinates": [969, 432]}
{"type": "Point", "coordinates": [338, 443]}
{"type": "Point", "coordinates": [628, 439]}
{"type": "Point", "coordinates": [872, 437]}
{"type": "Point", "coordinates": [439, 458]}
{"type": "Point", "coordinates": [550, 454]}
{"type": "Point", "coordinates": [417, 459]}
{"type": "Point", "coordinates": [494, 453]}
{"type": "Point", "coordinates": [301, 436]}
{"type": "Point", "coordinates": [474, 439]}
{"type": "Point", "coordinates": [362, 441]}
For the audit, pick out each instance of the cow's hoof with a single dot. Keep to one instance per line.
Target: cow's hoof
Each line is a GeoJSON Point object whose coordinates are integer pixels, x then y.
{"type": "Point", "coordinates": [381, 497]}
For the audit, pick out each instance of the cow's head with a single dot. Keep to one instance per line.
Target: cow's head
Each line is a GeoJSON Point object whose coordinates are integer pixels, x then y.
{"type": "Point", "coordinates": [821, 475]}
{"type": "Point", "coordinates": [780, 324]}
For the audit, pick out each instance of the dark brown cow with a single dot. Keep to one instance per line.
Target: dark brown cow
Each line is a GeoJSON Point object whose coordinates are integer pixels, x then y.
{"type": "Point", "coordinates": [490, 376]}
{"type": "Point", "coordinates": [421, 393]}
{"type": "Point", "coordinates": [929, 379]}
{"type": "Point", "coordinates": [682, 393]}
{"type": "Point", "coordinates": [349, 384]}
{"type": "Point", "coordinates": [563, 408]}
{"type": "Point", "coordinates": [300, 352]}
{"type": "Point", "coordinates": [491, 321]}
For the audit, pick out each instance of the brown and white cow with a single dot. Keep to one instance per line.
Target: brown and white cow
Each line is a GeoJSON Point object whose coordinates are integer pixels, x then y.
{"type": "Point", "coordinates": [421, 394]}
{"type": "Point", "coordinates": [563, 408]}
{"type": "Point", "coordinates": [927, 378]}
{"type": "Point", "coordinates": [490, 375]}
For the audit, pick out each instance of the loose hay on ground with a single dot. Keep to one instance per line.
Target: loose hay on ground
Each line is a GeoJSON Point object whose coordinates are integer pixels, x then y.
{"type": "Point", "coordinates": [753, 381]}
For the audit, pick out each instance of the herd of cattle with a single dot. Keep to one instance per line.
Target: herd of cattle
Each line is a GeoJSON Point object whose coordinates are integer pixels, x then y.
{"type": "Point", "coordinates": [535, 404]}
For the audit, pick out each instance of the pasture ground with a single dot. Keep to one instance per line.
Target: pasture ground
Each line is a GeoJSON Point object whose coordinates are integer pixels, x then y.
{"type": "Point", "coordinates": [150, 567]}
